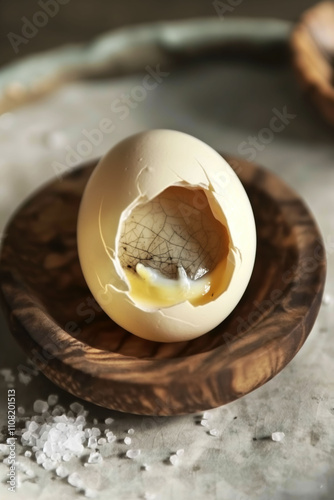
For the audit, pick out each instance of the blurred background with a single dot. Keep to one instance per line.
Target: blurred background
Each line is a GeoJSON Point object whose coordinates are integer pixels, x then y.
{"type": "Point", "coordinates": [82, 20]}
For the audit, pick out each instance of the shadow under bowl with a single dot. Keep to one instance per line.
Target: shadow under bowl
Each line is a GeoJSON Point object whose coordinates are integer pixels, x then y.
{"type": "Point", "coordinates": [54, 317]}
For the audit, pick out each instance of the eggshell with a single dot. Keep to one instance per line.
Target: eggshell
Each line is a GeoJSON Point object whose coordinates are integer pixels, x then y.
{"type": "Point", "coordinates": [135, 171]}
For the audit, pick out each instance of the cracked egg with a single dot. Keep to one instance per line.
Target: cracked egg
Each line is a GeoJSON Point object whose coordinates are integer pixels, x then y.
{"type": "Point", "coordinates": [166, 236]}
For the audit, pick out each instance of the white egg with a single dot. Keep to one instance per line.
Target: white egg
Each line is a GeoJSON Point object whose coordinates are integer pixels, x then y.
{"type": "Point", "coordinates": [166, 236]}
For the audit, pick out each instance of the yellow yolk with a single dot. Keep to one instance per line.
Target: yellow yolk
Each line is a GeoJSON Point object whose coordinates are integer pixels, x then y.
{"type": "Point", "coordinates": [152, 290]}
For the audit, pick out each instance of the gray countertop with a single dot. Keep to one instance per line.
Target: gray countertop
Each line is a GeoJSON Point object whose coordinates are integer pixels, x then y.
{"type": "Point", "coordinates": [224, 104]}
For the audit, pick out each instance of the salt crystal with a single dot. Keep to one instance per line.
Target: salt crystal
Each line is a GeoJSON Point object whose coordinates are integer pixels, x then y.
{"type": "Point", "coordinates": [95, 458]}
{"type": "Point", "coordinates": [180, 452]}
{"type": "Point", "coordinates": [8, 376]}
{"type": "Point", "coordinates": [102, 441]}
{"type": "Point", "coordinates": [131, 431]}
{"type": "Point", "coordinates": [61, 471]}
{"type": "Point", "coordinates": [174, 460]}
{"type": "Point", "coordinates": [4, 449]}
{"type": "Point", "coordinates": [96, 431]}
{"type": "Point", "coordinates": [89, 493]}
{"type": "Point", "coordinates": [29, 473]}
{"type": "Point", "coordinates": [95, 421]}
{"type": "Point", "coordinates": [147, 467]}
{"type": "Point", "coordinates": [108, 421]}
{"type": "Point", "coordinates": [40, 458]}
{"type": "Point", "coordinates": [80, 420]}
{"type": "Point", "coordinates": [32, 426]}
{"type": "Point", "coordinates": [111, 439]}
{"type": "Point", "coordinates": [76, 407]}
{"type": "Point", "coordinates": [21, 410]}
{"type": "Point", "coordinates": [53, 399]}
{"type": "Point", "coordinates": [127, 440]}
{"type": "Point", "coordinates": [205, 423]}
{"type": "Point", "coordinates": [149, 496]}
{"type": "Point", "coordinates": [48, 464]}
{"type": "Point", "coordinates": [326, 299]}
{"type": "Point", "coordinates": [40, 406]}
{"type": "Point", "coordinates": [75, 480]}
{"type": "Point", "coordinates": [26, 436]}
{"type": "Point", "coordinates": [92, 442]}
{"type": "Point", "coordinates": [133, 453]}
{"type": "Point", "coordinates": [24, 378]}
{"type": "Point", "coordinates": [277, 436]}
{"type": "Point", "coordinates": [67, 457]}
{"type": "Point", "coordinates": [27, 454]}
{"type": "Point", "coordinates": [213, 432]}
{"type": "Point", "coordinates": [206, 415]}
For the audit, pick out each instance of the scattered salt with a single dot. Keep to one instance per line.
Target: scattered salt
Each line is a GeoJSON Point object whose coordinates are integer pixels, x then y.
{"type": "Point", "coordinates": [24, 378]}
{"type": "Point", "coordinates": [49, 464]}
{"type": "Point", "coordinates": [52, 399]}
{"type": "Point", "coordinates": [27, 454]}
{"type": "Point", "coordinates": [127, 440]}
{"type": "Point", "coordinates": [21, 410]}
{"type": "Point", "coordinates": [32, 426]}
{"type": "Point", "coordinates": [89, 493]}
{"type": "Point", "coordinates": [180, 452]}
{"type": "Point", "coordinates": [7, 375]}
{"type": "Point", "coordinates": [277, 436]}
{"type": "Point", "coordinates": [92, 442]}
{"type": "Point", "coordinates": [205, 423]}
{"type": "Point", "coordinates": [206, 415]}
{"type": "Point", "coordinates": [95, 458]}
{"type": "Point", "coordinates": [67, 457]}
{"type": "Point", "coordinates": [213, 432]}
{"type": "Point", "coordinates": [61, 471]}
{"type": "Point", "coordinates": [29, 473]}
{"type": "Point", "coordinates": [40, 406]}
{"type": "Point", "coordinates": [174, 460]}
{"type": "Point", "coordinates": [96, 431]}
{"type": "Point", "coordinates": [133, 453]}
{"type": "Point", "coordinates": [75, 480]}
{"type": "Point", "coordinates": [4, 449]}
{"type": "Point", "coordinates": [76, 407]}
{"type": "Point", "coordinates": [326, 299]}
{"type": "Point", "coordinates": [95, 421]}
{"type": "Point", "coordinates": [146, 467]}
{"type": "Point", "coordinates": [40, 457]}
{"type": "Point", "coordinates": [131, 431]}
{"type": "Point", "coordinates": [102, 441]}
{"type": "Point", "coordinates": [108, 421]}
{"type": "Point", "coordinates": [149, 496]}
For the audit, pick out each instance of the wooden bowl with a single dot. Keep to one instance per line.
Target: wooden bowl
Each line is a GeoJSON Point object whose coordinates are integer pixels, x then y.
{"type": "Point", "coordinates": [54, 318]}
{"type": "Point", "coordinates": [312, 44]}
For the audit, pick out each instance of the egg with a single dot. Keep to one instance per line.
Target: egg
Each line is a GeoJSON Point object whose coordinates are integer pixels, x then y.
{"type": "Point", "coordinates": [166, 236]}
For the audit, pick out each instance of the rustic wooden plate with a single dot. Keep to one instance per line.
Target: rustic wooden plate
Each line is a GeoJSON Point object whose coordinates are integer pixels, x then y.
{"type": "Point", "coordinates": [312, 44]}
{"type": "Point", "coordinates": [54, 318]}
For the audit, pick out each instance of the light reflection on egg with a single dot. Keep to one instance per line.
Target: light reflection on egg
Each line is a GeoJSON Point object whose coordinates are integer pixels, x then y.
{"type": "Point", "coordinates": [166, 236]}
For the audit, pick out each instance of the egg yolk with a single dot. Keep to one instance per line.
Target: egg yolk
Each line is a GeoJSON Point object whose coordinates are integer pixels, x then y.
{"type": "Point", "coordinates": [172, 249]}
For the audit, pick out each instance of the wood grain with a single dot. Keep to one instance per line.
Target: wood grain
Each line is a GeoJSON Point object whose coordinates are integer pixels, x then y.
{"type": "Point", "coordinates": [55, 319]}
{"type": "Point", "coordinates": [312, 44]}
